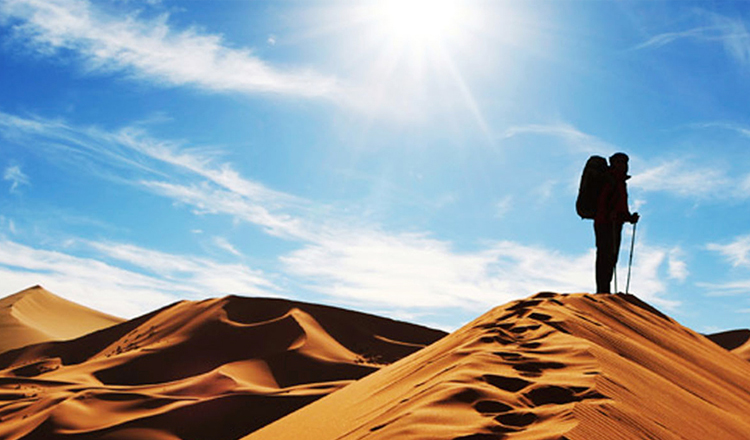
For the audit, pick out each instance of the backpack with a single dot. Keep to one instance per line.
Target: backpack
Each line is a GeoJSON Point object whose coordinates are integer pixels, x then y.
{"type": "Point", "coordinates": [592, 181]}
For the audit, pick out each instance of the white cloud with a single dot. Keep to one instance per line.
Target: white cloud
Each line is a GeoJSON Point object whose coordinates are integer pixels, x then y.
{"type": "Point", "coordinates": [734, 36]}
{"type": "Point", "coordinates": [575, 138]}
{"type": "Point", "coordinates": [503, 206]}
{"type": "Point", "coordinates": [737, 253]}
{"type": "Point", "coordinates": [195, 275]}
{"type": "Point", "coordinates": [729, 288]}
{"type": "Point", "coordinates": [224, 244]}
{"type": "Point", "coordinates": [17, 177]}
{"type": "Point", "coordinates": [699, 33]}
{"type": "Point", "coordinates": [152, 50]}
{"type": "Point", "coordinates": [646, 279]}
{"type": "Point", "coordinates": [8, 224]}
{"type": "Point", "coordinates": [86, 281]}
{"type": "Point", "coordinates": [679, 178]}
{"type": "Point", "coordinates": [731, 32]}
{"type": "Point", "coordinates": [210, 200]}
{"type": "Point", "coordinates": [677, 266]}
{"type": "Point", "coordinates": [338, 256]}
{"type": "Point", "coordinates": [415, 271]}
{"type": "Point", "coordinates": [131, 155]}
{"type": "Point", "coordinates": [132, 148]}
{"type": "Point", "coordinates": [161, 278]}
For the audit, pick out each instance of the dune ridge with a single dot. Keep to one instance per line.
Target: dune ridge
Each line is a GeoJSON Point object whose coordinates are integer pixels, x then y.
{"type": "Point", "coordinates": [736, 341]}
{"type": "Point", "coordinates": [550, 367]}
{"type": "Point", "coordinates": [35, 315]}
{"type": "Point", "coordinates": [217, 369]}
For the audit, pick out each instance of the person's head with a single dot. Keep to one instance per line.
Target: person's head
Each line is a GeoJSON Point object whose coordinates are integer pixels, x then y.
{"type": "Point", "coordinates": [619, 161]}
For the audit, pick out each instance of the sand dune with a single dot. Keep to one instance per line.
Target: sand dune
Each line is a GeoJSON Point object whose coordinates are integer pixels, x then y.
{"type": "Point", "coordinates": [550, 367]}
{"type": "Point", "coordinates": [574, 367]}
{"type": "Point", "coordinates": [216, 369]}
{"type": "Point", "coordinates": [736, 341]}
{"type": "Point", "coordinates": [35, 315]}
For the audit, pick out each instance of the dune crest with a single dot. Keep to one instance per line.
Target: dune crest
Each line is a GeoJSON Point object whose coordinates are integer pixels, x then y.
{"type": "Point", "coordinates": [214, 369]}
{"type": "Point", "coordinates": [736, 341]}
{"type": "Point", "coordinates": [35, 315]}
{"type": "Point", "coordinates": [551, 367]}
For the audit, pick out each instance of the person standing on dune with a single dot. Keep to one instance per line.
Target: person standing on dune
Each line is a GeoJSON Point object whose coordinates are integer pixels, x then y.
{"type": "Point", "coordinates": [611, 213]}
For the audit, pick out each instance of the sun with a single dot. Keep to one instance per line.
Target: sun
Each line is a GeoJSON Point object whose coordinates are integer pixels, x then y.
{"type": "Point", "coordinates": [419, 21]}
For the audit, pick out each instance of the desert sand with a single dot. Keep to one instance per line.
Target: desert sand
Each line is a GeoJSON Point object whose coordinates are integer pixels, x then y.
{"type": "Point", "coordinates": [575, 367]}
{"type": "Point", "coordinates": [549, 367]}
{"type": "Point", "coordinates": [215, 369]}
{"type": "Point", "coordinates": [35, 315]}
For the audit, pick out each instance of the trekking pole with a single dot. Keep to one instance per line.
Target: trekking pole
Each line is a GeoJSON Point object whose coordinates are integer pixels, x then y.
{"type": "Point", "coordinates": [614, 271]}
{"type": "Point", "coordinates": [630, 263]}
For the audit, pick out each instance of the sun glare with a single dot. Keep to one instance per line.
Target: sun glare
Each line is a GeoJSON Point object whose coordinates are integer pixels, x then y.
{"type": "Point", "coordinates": [419, 21]}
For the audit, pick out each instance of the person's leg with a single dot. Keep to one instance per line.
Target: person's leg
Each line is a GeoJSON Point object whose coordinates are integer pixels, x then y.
{"type": "Point", "coordinates": [604, 257]}
{"type": "Point", "coordinates": [616, 239]}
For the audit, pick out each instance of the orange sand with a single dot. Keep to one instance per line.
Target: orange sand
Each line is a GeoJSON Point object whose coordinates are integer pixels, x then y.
{"type": "Point", "coordinates": [35, 315]}
{"type": "Point", "coordinates": [216, 369]}
{"type": "Point", "coordinates": [552, 367]}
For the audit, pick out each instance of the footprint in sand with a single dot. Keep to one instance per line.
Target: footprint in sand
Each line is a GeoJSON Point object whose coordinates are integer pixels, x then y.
{"type": "Point", "coordinates": [536, 367]}
{"type": "Point", "coordinates": [517, 419]}
{"type": "Point", "coordinates": [505, 383]}
{"type": "Point", "coordinates": [491, 407]}
{"type": "Point", "coordinates": [480, 437]}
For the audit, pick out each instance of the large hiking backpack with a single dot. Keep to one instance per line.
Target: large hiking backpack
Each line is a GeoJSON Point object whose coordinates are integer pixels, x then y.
{"type": "Point", "coordinates": [592, 181]}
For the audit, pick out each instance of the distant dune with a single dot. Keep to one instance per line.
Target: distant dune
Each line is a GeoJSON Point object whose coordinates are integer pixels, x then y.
{"type": "Point", "coordinates": [35, 315]}
{"type": "Point", "coordinates": [215, 369]}
{"type": "Point", "coordinates": [736, 341]}
{"type": "Point", "coordinates": [551, 367]}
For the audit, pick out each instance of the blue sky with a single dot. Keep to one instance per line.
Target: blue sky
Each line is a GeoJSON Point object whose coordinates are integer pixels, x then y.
{"type": "Point", "coordinates": [418, 163]}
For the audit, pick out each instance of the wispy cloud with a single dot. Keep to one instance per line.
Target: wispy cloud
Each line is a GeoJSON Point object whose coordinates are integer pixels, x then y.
{"type": "Point", "coordinates": [576, 139]}
{"type": "Point", "coordinates": [195, 275]}
{"type": "Point", "coordinates": [187, 174]}
{"type": "Point", "coordinates": [153, 50]}
{"type": "Point", "coordinates": [224, 244]}
{"type": "Point", "coordinates": [156, 278]}
{"type": "Point", "coordinates": [415, 271]}
{"type": "Point", "coordinates": [134, 149]}
{"type": "Point", "coordinates": [503, 206]}
{"type": "Point", "coordinates": [677, 267]}
{"type": "Point", "coordinates": [737, 252]}
{"type": "Point", "coordinates": [699, 33]}
{"type": "Point", "coordinates": [207, 199]}
{"type": "Point", "coordinates": [8, 224]}
{"type": "Point", "coordinates": [653, 267]}
{"type": "Point", "coordinates": [729, 288]}
{"type": "Point", "coordinates": [338, 256]}
{"type": "Point", "coordinates": [740, 129]}
{"type": "Point", "coordinates": [683, 179]}
{"type": "Point", "coordinates": [16, 177]}
{"type": "Point", "coordinates": [731, 32]}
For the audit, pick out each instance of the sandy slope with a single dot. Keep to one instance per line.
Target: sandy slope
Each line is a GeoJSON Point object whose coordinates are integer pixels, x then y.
{"type": "Point", "coordinates": [35, 315]}
{"type": "Point", "coordinates": [216, 369]}
{"type": "Point", "coordinates": [736, 341]}
{"type": "Point", "coordinates": [575, 367]}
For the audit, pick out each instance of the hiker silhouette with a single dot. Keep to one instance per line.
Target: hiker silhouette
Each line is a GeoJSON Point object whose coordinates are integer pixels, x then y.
{"type": "Point", "coordinates": [611, 213]}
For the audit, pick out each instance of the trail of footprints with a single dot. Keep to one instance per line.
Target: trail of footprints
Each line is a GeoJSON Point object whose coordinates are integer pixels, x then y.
{"type": "Point", "coordinates": [526, 392]}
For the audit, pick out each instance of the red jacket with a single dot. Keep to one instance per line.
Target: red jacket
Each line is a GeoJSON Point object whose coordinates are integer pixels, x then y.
{"type": "Point", "coordinates": [613, 200]}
